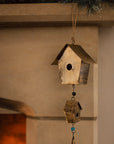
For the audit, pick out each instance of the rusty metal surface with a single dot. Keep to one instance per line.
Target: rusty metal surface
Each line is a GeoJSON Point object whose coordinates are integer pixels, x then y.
{"type": "Point", "coordinates": [78, 50]}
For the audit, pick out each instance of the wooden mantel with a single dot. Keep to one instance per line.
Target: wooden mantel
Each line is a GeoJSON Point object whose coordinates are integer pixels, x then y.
{"type": "Point", "coordinates": [44, 14]}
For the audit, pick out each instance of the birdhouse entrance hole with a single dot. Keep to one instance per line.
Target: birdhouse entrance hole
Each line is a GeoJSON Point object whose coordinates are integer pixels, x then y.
{"type": "Point", "coordinates": [69, 67]}
{"type": "Point", "coordinates": [77, 114]}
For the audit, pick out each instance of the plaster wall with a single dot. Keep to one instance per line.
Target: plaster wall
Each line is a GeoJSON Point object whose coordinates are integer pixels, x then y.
{"type": "Point", "coordinates": [106, 86]}
{"type": "Point", "coordinates": [26, 75]}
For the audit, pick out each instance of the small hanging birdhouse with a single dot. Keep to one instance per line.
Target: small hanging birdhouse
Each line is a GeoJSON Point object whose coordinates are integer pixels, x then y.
{"type": "Point", "coordinates": [72, 111]}
{"type": "Point", "coordinates": [73, 63]}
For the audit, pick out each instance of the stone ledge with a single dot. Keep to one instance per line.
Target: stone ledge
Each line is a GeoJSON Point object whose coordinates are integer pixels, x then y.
{"type": "Point", "coordinates": [53, 13]}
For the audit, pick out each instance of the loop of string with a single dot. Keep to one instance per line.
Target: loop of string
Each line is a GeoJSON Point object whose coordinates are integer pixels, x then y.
{"type": "Point", "coordinates": [73, 86]}
{"type": "Point", "coordinates": [73, 92]}
{"type": "Point", "coordinates": [73, 132]}
{"type": "Point", "coordinates": [74, 20]}
{"type": "Point", "coordinates": [73, 128]}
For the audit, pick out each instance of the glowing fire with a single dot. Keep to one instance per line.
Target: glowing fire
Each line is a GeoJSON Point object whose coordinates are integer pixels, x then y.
{"type": "Point", "coordinates": [12, 129]}
{"type": "Point", "coordinates": [11, 140]}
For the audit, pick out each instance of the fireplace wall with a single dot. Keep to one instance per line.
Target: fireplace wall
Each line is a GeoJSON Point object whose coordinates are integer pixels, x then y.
{"type": "Point", "coordinates": [27, 75]}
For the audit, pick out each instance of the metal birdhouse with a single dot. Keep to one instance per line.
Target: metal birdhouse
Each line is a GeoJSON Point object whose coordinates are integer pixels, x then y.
{"type": "Point", "coordinates": [73, 63]}
{"type": "Point", "coordinates": [72, 111]}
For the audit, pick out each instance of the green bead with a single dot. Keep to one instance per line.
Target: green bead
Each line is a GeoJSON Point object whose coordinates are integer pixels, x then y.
{"type": "Point", "coordinates": [73, 93]}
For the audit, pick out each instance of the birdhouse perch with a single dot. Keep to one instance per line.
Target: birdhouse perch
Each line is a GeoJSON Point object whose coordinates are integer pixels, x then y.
{"type": "Point", "coordinates": [73, 63]}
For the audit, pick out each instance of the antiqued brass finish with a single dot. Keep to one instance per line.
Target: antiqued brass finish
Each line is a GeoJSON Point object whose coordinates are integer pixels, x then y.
{"type": "Point", "coordinates": [72, 111]}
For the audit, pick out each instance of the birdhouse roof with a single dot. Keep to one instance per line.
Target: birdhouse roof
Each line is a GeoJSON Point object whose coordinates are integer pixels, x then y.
{"type": "Point", "coordinates": [78, 50]}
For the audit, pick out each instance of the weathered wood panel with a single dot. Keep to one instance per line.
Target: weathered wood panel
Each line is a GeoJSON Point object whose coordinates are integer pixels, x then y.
{"type": "Point", "coordinates": [69, 76]}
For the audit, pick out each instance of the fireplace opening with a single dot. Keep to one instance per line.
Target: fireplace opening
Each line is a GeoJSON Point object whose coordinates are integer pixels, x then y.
{"type": "Point", "coordinates": [12, 129]}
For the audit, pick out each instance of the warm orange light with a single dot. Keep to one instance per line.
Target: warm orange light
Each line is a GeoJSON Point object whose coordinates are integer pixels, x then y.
{"type": "Point", "coordinates": [11, 140]}
{"type": "Point", "coordinates": [12, 129]}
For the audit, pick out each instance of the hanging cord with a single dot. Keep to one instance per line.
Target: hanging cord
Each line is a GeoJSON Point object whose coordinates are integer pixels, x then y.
{"type": "Point", "coordinates": [73, 86]}
{"type": "Point", "coordinates": [74, 20]}
{"type": "Point", "coordinates": [73, 92]}
{"type": "Point", "coordinates": [73, 142]}
{"type": "Point", "coordinates": [66, 131]}
{"type": "Point", "coordinates": [73, 128]}
{"type": "Point", "coordinates": [73, 132]}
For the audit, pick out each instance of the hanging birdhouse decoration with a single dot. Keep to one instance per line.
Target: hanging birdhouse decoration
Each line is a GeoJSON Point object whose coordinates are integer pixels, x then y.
{"type": "Point", "coordinates": [73, 63]}
{"type": "Point", "coordinates": [72, 111]}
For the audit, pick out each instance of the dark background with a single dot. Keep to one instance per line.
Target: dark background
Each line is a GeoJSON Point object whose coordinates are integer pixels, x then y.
{"type": "Point", "coordinates": [49, 1]}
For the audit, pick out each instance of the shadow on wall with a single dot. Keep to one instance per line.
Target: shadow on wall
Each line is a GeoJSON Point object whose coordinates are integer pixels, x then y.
{"type": "Point", "coordinates": [16, 106]}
